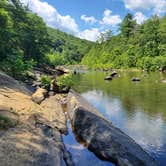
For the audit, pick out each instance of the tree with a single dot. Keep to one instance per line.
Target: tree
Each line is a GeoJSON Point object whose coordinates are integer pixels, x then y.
{"type": "Point", "coordinates": [105, 36]}
{"type": "Point", "coordinates": [6, 33]}
{"type": "Point", "coordinates": [128, 25]}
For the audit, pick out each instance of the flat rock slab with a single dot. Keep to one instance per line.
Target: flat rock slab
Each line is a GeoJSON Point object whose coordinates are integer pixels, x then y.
{"type": "Point", "coordinates": [53, 114]}
{"type": "Point", "coordinates": [104, 139]}
{"type": "Point", "coordinates": [29, 146]}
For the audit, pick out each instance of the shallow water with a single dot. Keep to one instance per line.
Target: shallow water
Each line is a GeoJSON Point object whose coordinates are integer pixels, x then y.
{"type": "Point", "coordinates": [137, 108]}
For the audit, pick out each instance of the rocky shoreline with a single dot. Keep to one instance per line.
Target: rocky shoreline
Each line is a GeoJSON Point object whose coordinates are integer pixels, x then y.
{"type": "Point", "coordinates": [36, 122]}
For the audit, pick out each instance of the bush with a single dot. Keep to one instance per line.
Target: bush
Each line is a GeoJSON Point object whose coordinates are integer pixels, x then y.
{"type": "Point", "coordinates": [65, 81]}
{"type": "Point", "coordinates": [55, 59]}
{"type": "Point", "coordinates": [14, 64]}
{"type": "Point", "coordinates": [45, 81]}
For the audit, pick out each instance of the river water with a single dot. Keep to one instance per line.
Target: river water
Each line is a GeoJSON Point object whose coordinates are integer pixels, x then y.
{"type": "Point", "coordinates": [137, 108]}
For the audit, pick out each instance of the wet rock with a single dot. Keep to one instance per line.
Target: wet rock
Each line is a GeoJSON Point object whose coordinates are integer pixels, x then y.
{"type": "Point", "coordinates": [39, 95]}
{"type": "Point", "coordinates": [135, 79]}
{"type": "Point", "coordinates": [104, 139]}
{"type": "Point", "coordinates": [108, 78]}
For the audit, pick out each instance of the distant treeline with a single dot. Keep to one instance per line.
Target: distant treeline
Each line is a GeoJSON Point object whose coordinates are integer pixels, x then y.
{"type": "Point", "coordinates": [136, 46]}
{"type": "Point", "coordinates": [26, 41]}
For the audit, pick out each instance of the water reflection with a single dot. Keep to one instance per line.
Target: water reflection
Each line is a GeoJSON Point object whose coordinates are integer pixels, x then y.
{"type": "Point", "coordinates": [80, 154]}
{"type": "Point", "coordinates": [138, 109]}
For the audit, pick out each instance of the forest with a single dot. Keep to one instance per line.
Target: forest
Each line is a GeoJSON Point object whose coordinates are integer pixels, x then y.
{"type": "Point", "coordinates": [136, 46]}
{"type": "Point", "coordinates": [26, 41]}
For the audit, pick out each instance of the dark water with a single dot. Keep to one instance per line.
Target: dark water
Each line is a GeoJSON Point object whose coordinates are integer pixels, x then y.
{"type": "Point", "coordinates": [139, 109]}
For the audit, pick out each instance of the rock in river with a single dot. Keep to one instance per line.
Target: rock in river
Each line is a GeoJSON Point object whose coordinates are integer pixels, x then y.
{"type": "Point", "coordinates": [114, 74]}
{"type": "Point", "coordinates": [135, 79]}
{"type": "Point", "coordinates": [102, 138]}
{"type": "Point", "coordinates": [108, 78]}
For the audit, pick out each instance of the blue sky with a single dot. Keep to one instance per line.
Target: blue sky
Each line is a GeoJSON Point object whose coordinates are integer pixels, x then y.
{"type": "Point", "coordinates": [88, 18]}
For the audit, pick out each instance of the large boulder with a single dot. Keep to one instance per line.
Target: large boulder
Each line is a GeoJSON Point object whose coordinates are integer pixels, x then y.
{"type": "Point", "coordinates": [39, 95]}
{"type": "Point", "coordinates": [104, 139]}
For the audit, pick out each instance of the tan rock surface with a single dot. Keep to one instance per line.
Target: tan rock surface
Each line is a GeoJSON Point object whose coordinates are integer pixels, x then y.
{"type": "Point", "coordinates": [54, 114]}
{"type": "Point", "coordinates": [31, 142]}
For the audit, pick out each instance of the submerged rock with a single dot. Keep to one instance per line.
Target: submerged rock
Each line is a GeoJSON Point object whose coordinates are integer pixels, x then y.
{"type": "Point", "coordinates": [101, 137]}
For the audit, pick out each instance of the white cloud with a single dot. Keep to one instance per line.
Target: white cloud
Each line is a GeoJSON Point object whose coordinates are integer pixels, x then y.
{"type": "Point", "coordinates": [90, 34]}
{"type": "Point", "coordinates": [109, 19]}
{"type": "Point", "coordinates": [87, 19]}
{"type": "Point", "coordinates": [52, 17]}
{"type": "Point", "coordinates": [139, 17]}
{"type": "Point", "coordinates": [158, 6]}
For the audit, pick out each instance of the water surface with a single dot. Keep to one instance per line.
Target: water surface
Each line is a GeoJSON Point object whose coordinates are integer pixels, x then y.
{"type": "Point", "coordinates": [137, 108]}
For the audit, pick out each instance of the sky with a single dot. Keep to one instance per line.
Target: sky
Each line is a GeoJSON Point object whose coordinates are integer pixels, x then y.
{"type": "Point", "coordinates": [86, 19]}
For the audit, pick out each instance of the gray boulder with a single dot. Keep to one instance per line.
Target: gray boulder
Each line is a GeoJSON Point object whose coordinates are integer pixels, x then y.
{"type": "Point", "coordinates": [102, 138]}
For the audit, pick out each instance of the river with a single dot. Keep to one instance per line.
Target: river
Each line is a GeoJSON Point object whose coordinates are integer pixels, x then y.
{"type": "Point", "coordinates": [137, 108]}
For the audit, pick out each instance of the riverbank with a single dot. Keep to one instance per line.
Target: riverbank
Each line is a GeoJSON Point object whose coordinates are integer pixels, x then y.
{"type": "Point", "coordinates": [36, 136]}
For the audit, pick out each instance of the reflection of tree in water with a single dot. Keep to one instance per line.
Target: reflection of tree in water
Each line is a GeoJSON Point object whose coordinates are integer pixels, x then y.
{"type": "Point", "coordinates": [148, 95]}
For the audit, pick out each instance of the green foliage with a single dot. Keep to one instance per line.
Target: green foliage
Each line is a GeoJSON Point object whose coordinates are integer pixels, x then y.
{"type": "Point", "coordinates": [136, 46]}
{"type": "Point", "coordinates": [66, 48]}
{"type": "Point", "coordinates": [105, 36]}
{"type": "Point", "coordinates": [65, 81]}
{"type": "Point", "coordinates": [14, 64]}
{"type": "Point", "coordinates": [46, 81]}
{"type": "Point", "coordinates": [55, 59]}
{"type": "Point", "coordinates": [24, 39]}
{"type": "Point", "coordinates": [128, 25]}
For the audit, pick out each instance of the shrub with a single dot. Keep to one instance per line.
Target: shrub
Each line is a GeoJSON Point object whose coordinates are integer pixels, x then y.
{"type": "Point", "coordinates": [14, 64]}
{"type": "Point", "coordinates": [45, 81]}
{"type": "Point", "coordinates": [65, 81]}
